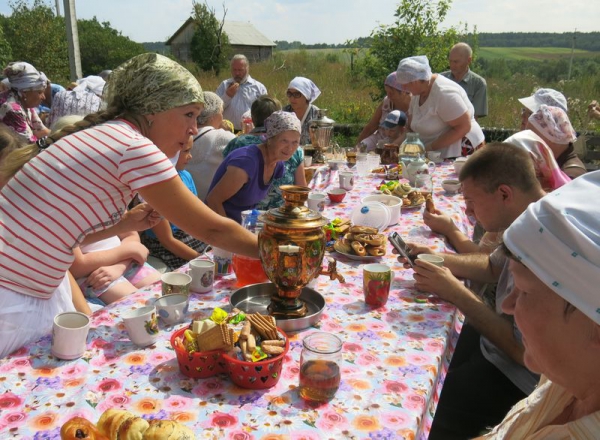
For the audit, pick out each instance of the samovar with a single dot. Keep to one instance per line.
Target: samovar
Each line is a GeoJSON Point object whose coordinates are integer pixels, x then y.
{"type": "Point", "coordinates": [291, 246]}
{"type": "Point", "coordinates": [321, 132]}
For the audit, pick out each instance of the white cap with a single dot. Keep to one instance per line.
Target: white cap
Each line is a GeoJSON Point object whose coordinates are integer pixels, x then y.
{"type": "Point", "coordinates": [549, 97]}
{"type": "Point", "coordinates": [413, 69]}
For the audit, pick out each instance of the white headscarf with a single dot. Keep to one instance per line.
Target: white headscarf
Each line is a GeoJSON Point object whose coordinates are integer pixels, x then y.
{"type": "Point", "coordinates": [413, 69]}
{"type": "Point", "coordinates": [558, 239]}
{"type": "Point", "coordinates": [23, 76]}
{"type": "Point", "coordinates": [553, 124]}
{"type": "Point", "coordinates": [306, 87]}
{"type": "Point", "coordinates": [91, 83]}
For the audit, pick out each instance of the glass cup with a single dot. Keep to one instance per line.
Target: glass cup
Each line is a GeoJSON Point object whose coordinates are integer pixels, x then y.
{"type": "Point", "coordinates": [424, 184]}
{"type": "Point", "coordinates": [362, 165]}
{"type": "Point", "coordinates": [320, 366]}
{"type": "Point", "coordinates": [248, 270]}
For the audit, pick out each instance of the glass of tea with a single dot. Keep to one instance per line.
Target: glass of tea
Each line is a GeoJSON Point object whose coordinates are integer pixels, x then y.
{"type": "Point", "coordinates": [320, 363]}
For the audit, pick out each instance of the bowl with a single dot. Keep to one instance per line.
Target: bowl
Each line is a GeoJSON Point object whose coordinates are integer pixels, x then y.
{"type": "Point", "coordinates": [200, 364]}
{"type": "Point", "coordinates": [393, 203]}
{"type": "Point", "coordinates": [257, 375]}
{"type": "Point", "coordinates": [459, 163]}
{"type": "Point", "coordinates": [336, 164]}
{"type": "Point", "coordinates": [451, 186]}
{"type": "Point", "coordinates": [337, 195]}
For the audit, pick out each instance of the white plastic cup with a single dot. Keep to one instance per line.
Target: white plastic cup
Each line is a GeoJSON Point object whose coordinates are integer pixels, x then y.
{"type": "Point", "coordinates": [308, 161]}
{"type": "Point", "coordinates": [142, 326]}
{"type": "Point", "coordinates": [316, 202]}
{"type": "Point", "coordinates": [69, 335]}
{"type": "Point", "coordinates": [203, 275]}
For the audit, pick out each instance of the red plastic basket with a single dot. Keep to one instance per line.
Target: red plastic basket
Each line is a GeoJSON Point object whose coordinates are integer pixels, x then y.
{"type": "Point", "coordinates": [199, 364]}
{"type": "Point", "coordinates": [257, 375]}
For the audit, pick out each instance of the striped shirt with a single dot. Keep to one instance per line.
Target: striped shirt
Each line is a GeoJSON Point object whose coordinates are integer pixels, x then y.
{"type": "Point", "coordinates": [80, 185]}
{"type": "Point", "coordinates": [532, 417]}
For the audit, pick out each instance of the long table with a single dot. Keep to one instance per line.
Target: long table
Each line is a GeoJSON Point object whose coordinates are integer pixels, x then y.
{"type": "Point", "coordinates": [395, 359]}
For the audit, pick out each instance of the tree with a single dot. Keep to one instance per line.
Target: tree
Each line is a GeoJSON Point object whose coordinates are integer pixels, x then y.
{"type": "Point", "coordinates": [210, 47]}
{"type": "Point", "coordinates": [36, 35]}
{"type": "Point", "coordinates": [103, 47]}
{"type": "Point", "coordinates": [5, 50]}
{"type": "Point", "coordinates": [415, 32]}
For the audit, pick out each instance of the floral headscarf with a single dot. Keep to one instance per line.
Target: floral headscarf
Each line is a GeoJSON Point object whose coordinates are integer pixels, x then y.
{"type": "Point", "coordinates": [151, 83]}
{"type": "Point", "coordinates": [281, 121]}
{"type": "Point", "coordinates": [553, 124]}
{"type": "Point", "coordinates": [23, 76]}
{"type": "Point", "coordinates": [391, 81]}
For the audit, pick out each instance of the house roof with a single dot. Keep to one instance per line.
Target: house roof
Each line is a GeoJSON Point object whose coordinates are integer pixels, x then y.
{"type": "Point", "coordinates": [240, 33]}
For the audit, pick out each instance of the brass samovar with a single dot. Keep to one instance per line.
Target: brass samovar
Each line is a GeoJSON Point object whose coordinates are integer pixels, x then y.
{"type": "Point", "coordinates": [291, 246]}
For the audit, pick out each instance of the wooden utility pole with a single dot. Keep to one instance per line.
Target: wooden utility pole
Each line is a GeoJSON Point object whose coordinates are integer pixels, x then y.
{"type": "Point", "coordinates": [572, 54]}
{"type": "Point", "coordinates": [72, 39]}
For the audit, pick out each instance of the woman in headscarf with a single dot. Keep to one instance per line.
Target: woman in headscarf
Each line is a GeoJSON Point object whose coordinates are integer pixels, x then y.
{"type": "Point", "coordinates": [301, 94]}
{"type": "Point", "coordinates": [17, 105]}
{"type": "Point", "coordinates": [552, 125]}
{"type": "Point", "coordinates": [83, 99]}
{"type": "Point", "coordinates": [396, 98]}
{"type": "Point", "coordinates": [440, 110]}
{"type": "Point", "coordinates": [555, 250]}
{"type": "Point", "coordinates": [59, 195]}
{"type": "Point", "coordinates": [244, 177]}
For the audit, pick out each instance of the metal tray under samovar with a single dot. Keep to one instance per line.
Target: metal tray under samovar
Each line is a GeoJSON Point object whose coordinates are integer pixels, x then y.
{"type": "Point", "coordinates": [257, 297]}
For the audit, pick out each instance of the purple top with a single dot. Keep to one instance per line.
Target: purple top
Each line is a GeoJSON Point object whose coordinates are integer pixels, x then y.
{"type": "Point", "coordinates": [249, 159]}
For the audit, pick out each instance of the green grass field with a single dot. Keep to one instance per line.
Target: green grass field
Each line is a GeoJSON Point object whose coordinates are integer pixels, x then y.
{"type": "Point", "coordinates": [531, 53]}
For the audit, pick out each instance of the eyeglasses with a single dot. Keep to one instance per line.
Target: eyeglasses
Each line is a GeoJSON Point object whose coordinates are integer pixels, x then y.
{"type": "Point", "coordinates": [296, 95]}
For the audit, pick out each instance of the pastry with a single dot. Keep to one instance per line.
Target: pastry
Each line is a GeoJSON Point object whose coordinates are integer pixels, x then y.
{"type": "Point", "coordinates": [429, 205]}
{"type": "Point", "coordinates": [359, 249]}
{"type": "Point", "coordinates": [111, 420]}
{"type": "Point", "coordinates": [168, 430]}
{"type": "Point", "coordinates": [376, 251]}
{"type": "Point", "coordinates": [133, 429]}
{"type": "Point", "coordinates": [80, 428]}
{"type": "Point", "coordinates": [363, 230]}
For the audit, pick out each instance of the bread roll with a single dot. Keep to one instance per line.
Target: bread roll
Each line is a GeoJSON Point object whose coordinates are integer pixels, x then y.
{"type": "Point", "coordinates": [133, 429]}
{"type": "Point", "coordinates": [111, 420]}
{"type": "Point", "coordinates": [79, 428]}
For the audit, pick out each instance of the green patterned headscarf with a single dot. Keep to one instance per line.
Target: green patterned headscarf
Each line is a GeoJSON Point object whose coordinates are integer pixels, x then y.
{"type": "Point", "coordinates": [151, 83]}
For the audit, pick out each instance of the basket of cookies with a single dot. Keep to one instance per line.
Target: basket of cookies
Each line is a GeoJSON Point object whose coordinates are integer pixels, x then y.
{"type": "Point", "coordinates": [262, 348]}
{"type": "Point", "coordinates": [249, 348]}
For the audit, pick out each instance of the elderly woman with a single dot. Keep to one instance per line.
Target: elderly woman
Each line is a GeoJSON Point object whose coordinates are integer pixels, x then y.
{"type": "Point", "coordinates": [17, 105]}
{"type": "Point", "coordinates": [396, 98]}
{"type": "Point", "coordinates": [83, 99]}
{"type": "Point", "coordinates": [555, 302]}
{"type": "Point", "coordinates": [261, 109]}
{"type": "Point", "coordinates": [440, 110]}
{"type": "Point", "coordinates": [83, 184]}
{"type": "Point", "coordinates": [553, 126]}
{"type": "Point", "coordinates": [301, 94]}
{"type": "Point", "coordinates": [209, 143]}
{"type": "Point", "coordinates": [244, 177]}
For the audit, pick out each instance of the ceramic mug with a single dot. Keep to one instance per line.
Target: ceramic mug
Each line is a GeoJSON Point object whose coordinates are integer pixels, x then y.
{"type": "Point", "coordinates": [203, 275]}
{"type": "Point", "coordinates": [377, 279]}
{"type": "Point", "coordinates": [175, 282]}
{"type": "Point", "coordinates": [172, 308]}
{"type": "Point", "coordinates": [142, 326]}
{"type": "Point", "coordinates": [316, 202]}
{"type": "Point", "coordinates": [346, 180]}
{"type": "Point", "coordinates": [435, 156]}
{"type": "Point", "coordinates": [308, 161]}
{"type": "Point", "coordinates": [223, 261]}
{"type": "Point", "coordinates": [69, 335]}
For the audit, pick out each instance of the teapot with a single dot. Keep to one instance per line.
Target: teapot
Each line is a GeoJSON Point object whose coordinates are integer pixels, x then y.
{"type": "Point", "coordinates": [418, 166]}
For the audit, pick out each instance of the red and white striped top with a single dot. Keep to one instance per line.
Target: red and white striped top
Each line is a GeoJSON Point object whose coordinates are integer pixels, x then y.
{"type": "Point", "coordinates": [81, 184]}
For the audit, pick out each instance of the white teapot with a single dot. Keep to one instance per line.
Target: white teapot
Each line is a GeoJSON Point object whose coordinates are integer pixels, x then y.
{"type": "Point", "coordinates": [411, 169]}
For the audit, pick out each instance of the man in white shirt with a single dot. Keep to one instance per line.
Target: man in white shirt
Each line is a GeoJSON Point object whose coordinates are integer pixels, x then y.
{"type": "Point", "coordinates": [239, 92]}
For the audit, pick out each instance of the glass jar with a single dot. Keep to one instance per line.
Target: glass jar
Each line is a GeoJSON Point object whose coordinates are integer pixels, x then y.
{"type": "Point", "coordinates": [249, 270]}
{"type": "Point", "coordinates": [412, 148]}
{"type": "Point", "coordinates": [320, 366]}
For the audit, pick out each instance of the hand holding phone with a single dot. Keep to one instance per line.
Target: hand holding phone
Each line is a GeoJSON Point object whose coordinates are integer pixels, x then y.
{"type": "Point", "coordinates": [402, 248]}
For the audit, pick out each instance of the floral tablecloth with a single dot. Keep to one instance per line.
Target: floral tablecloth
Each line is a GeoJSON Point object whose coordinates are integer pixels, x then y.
{"type": "Point", "coordinates": [395, 358]}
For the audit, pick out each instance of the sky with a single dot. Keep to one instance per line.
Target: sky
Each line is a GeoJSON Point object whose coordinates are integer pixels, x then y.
{"type": "Point", "coordinates": [334, 21]}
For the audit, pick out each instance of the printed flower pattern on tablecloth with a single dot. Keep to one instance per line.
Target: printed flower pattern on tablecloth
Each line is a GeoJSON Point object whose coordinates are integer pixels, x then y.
{"type": "Point", "coordinates": [394, 357]}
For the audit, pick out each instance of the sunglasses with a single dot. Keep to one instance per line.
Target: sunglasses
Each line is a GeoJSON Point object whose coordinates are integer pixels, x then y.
{"type": "Point", "coordinates": [296, 95]}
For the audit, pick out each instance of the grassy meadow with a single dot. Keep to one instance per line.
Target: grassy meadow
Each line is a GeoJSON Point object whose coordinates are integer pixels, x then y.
{"type": "Point", "coordinates": [530, 53]}
{"type": "Point", "coordinates": [352, 100]}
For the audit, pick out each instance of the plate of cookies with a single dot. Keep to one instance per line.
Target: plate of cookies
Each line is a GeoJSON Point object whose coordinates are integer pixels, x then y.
{"type": "Point", "coordinates": [361, 243]}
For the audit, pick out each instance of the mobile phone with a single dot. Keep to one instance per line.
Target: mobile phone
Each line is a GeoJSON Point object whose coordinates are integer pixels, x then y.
{"type": "Point", "coordinates": [402, 248]}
